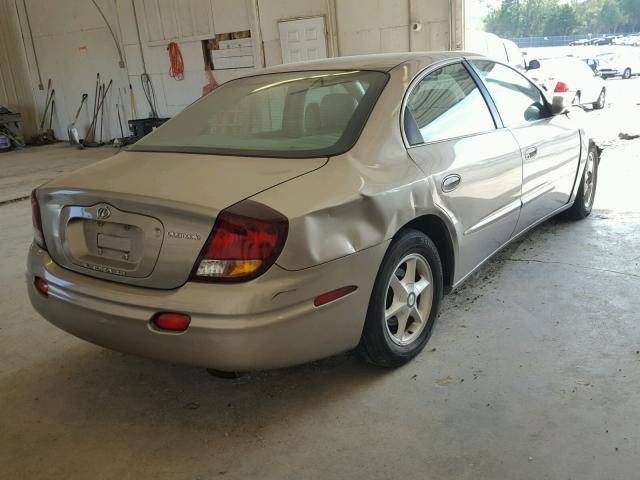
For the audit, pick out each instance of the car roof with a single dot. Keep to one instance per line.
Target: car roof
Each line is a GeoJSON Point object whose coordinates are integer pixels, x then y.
{"type": "Point", "coordinates": [381, 61]}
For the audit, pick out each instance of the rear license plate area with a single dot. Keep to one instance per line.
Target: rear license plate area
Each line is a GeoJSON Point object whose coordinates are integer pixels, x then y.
{"type": "Point", "coordinates": [126, 245]}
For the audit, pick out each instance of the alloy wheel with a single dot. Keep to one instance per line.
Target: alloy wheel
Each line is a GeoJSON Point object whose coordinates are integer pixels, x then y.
{"type": "Point", "coordinates": [409, 299]}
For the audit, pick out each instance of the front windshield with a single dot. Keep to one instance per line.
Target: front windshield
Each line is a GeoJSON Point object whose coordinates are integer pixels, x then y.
{"type": "Point", "coordinates": [294, 114]}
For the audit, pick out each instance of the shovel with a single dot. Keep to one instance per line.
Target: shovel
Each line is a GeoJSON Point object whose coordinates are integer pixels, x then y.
{"type": "Point", "coordinates": [46, 105]}
{"type": "Point", "coordinates": [72, 131]}
{"type": "Point", "coordinates": [50, 135]}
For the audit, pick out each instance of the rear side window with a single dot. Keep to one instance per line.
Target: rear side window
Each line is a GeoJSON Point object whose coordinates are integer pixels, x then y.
{"type": "Point", "coordinates": [447, 104]}
{"type": "Point", "coordinates": [518, 100]}
{"type": "Point", "coordinates": [294, 114]}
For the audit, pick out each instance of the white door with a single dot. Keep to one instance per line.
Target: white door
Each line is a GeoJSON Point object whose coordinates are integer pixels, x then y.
{"type": "Point", "coordinates": [302, 39]}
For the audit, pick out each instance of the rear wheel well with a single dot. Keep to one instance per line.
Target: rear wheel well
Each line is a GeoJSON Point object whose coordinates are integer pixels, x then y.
{"type": "Point", "coordinates": [433, 227]}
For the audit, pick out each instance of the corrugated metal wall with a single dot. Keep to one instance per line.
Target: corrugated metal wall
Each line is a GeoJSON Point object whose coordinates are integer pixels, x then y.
{"type": "Point", "coordinates": [15, 90]}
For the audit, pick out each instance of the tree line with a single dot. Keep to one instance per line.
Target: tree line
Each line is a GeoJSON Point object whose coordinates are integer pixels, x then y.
{"type": "Point", "coordinates": [536, 18]}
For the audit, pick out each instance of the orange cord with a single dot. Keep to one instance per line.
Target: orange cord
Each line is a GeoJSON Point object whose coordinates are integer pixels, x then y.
{"type": "Point", "coordinates": [177, 64]}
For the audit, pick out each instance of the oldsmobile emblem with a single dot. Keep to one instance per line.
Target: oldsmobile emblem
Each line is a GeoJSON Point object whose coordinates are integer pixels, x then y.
{"type": "Point", "coordinates": [104, 213]}
{"type": "Point", "coordinates": [183, 235]}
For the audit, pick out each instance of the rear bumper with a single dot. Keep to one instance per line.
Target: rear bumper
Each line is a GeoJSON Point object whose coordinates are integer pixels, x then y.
{"type": "Point", "coordinates": [610, 73]}
{"type": "Point", "coordinates": [270, 322]}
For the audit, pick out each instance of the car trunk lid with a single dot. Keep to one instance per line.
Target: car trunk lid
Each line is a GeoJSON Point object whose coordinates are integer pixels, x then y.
{"type": "Point", "coordinates": [142, 218]}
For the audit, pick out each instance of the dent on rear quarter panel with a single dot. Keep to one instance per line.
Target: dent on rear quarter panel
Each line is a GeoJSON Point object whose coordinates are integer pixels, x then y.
{"type": "Point", "coordinates": [341, 209]}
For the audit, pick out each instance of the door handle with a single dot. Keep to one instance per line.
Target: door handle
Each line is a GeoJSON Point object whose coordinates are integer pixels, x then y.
{"type": "Point", "coordinates": [530, 152]}
{"type": "Point", "coordinates": [451, 182]}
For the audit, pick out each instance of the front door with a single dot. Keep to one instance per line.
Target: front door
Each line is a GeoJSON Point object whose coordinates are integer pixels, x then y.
{"type": "Point", "coordinates": [548, 143]}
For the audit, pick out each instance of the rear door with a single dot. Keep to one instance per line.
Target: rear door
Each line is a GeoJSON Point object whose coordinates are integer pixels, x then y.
{"type": "Point", "coordinates": [550, 144]}
{"type": "Point", "coordinates": [475, 168]}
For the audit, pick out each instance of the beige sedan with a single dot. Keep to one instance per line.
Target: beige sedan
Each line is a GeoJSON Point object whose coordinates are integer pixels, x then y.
{"type": "Point", "coordinates": [305, 211]}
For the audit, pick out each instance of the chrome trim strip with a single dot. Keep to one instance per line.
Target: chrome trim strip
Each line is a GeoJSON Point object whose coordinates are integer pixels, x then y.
{"type": "Point", "coordinates": [508, 242]}
{"type": "Point", "coordinates": [495, 216]}
{"type": "Point", "coordinates": [537, 192]}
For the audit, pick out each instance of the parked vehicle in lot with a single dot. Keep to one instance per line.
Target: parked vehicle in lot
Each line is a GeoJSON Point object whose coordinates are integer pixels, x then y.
{"type": "Point", "coordinates": [306, 210]}
{"type": "Point", "coordinates": [601, 41]}
{"type": "Point", "coordinates": [598, 69]}
{"type": "Point", "coordinates": [572, 79]}
{"type": "Point", "coordinates": [582, 42]}
{"type": "Point", "coordinates": [624, 64]}
{"type": "Point", "coordinates": [629, 40]}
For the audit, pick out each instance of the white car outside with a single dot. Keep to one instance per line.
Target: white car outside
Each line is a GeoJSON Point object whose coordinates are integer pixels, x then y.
{"type": "Point", "coordinates": [572, 79]}
{"type": "Point", "coordinates": [493, 46]}
{"type": "Point", "coordinates": [625, 63]}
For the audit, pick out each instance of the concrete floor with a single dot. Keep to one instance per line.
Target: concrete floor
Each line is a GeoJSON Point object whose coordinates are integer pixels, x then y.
{"type": "Point", "coordinates": [532, 373]}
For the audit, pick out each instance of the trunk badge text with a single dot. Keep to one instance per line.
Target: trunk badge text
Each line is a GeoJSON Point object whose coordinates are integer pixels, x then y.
{"type": "Point", "coordinates": [183, 236]}
{"type": "Point", "coordinates": [103, 269]}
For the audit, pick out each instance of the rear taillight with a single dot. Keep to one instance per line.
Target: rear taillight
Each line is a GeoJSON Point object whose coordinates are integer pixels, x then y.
{"type": "Point", "coordinates": [246, 240]}
{"type": "Point", "coordinates": [561, 87]}
{"type": "Point", "coordinates": [36, 218]}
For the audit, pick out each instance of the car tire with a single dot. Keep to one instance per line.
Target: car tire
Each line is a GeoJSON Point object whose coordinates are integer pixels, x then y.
{"type": "Point", "coordinates": [417, 303]}
{"type": "Point", "coordinates": [599, 105]}
{"type": "Point", "coordinates": [576, 100]}
{"type": "Point", "coordinates": [583, 203]}
{"type": "Point", "coordinates": [626, 74]}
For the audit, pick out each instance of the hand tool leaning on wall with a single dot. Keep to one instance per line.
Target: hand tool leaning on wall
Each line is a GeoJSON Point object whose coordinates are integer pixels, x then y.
{"type": "Point", "coordinates": [101, 95]}
{"type": "Point", "coordinates": [72, 131]}
{"type": "Point", "coordinates": [49, 135]}
{"type": "Point", "coordinates": [46, 105]}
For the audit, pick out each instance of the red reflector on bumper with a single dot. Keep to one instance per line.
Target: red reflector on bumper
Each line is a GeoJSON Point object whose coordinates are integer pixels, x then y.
{"type": "Point", "coordinates": [42, 286]}
{"type": "Point", "coordinates": [333, 295]}
{"type": "Point", "coordinates": [175, 322]}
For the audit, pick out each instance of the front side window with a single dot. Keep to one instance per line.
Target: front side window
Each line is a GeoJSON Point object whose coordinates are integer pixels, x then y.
{"type": "Point", "coordinates": [447, 104]}
{"type": "Point", "coordinates": [518, 100]}
{"type": "Point", "coordinates": [293, 114]}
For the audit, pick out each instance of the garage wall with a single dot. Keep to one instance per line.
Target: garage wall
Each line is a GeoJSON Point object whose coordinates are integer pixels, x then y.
{"type": "Point", "coordinates": [158, 26]}
{"type": "Point", "coordinates": [73, 42]}
{"type": "Point", "coordinates": [384, 27]}
{"type": "Point", "coordinates": [15, 90]}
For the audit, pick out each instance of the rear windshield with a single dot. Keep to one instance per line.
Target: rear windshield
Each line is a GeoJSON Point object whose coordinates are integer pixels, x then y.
{"type": "Point", "coordinates": [294, 114]}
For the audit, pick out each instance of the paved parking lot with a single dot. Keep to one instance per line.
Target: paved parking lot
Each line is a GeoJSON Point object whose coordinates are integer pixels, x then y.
{"type": "Point", "coordinates": [532, 371]}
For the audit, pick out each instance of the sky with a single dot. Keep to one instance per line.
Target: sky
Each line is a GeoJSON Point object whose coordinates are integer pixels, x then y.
{"type": "Point", "coordinates": [476, 10]}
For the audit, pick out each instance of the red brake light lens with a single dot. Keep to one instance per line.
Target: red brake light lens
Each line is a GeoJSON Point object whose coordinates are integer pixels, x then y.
{"type": "Point", "coordinates": [333, 295]}
{"type": "Point", "coordinates": [246, 240]}
{"type": "Point", "coordinates": [175, 322]}
{"type": "Point", "coordinates": [36, 218]}
{"type": "Point", "coordinates": [42, 286]}
{"type": "Point", "coordinates": [561, 87]}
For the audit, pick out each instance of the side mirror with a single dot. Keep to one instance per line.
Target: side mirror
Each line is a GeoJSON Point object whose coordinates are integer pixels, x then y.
{"type": "Point", "coordinates": [558, 105]}
{"type": "Point", "coordinates": [533, 65]}
{"type": "Point", "coordinates": [534, 112]}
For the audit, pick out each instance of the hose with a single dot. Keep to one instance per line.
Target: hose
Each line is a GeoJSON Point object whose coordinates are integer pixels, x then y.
{"type": "Point", "coordinates": [33, 45]}
{"type": "Point", "coordinates": [145, 79]}
{"type": "Point", "coordinates": [177, 63]}
{"type": "Point", "coordinates": [113, 35]}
